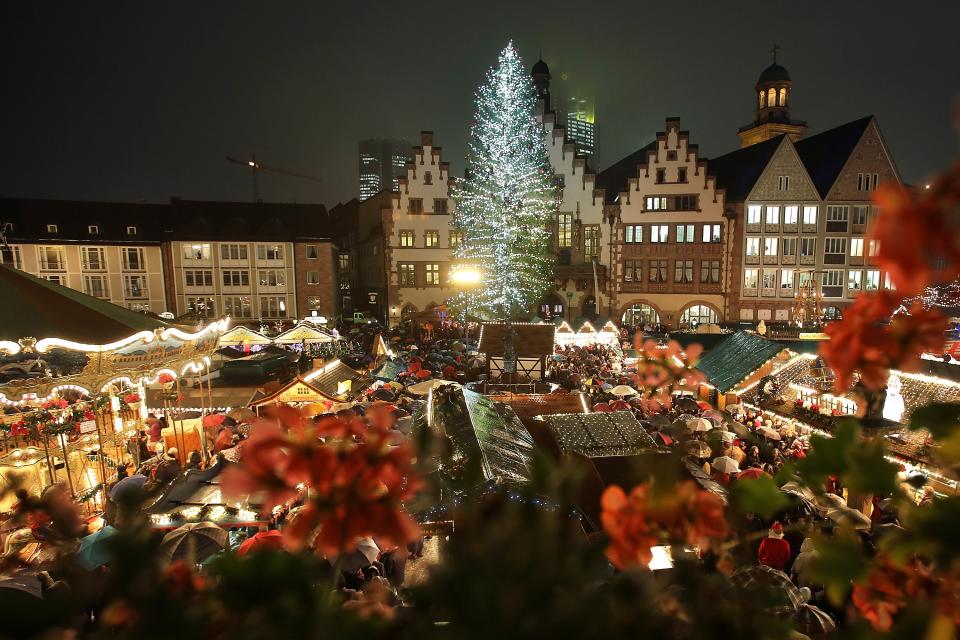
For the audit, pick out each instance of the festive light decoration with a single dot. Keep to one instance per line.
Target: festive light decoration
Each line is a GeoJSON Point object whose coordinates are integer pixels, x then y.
{"type": "Point", "coordinates": [508, 201]}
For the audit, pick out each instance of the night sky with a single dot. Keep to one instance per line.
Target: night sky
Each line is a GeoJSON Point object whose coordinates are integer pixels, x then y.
{"type": "Point", "coordinates": [141, 101]}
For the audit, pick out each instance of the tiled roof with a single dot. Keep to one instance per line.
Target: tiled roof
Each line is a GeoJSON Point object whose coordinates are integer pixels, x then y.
{"type": "Point", "coordinates": [739, 170]}
{"type": "Point", "coordinates": [825, 153]}
{"type": "Point", "coordinates": [614, 178]}
{"type": "Point", "coordinates": [735, 358]}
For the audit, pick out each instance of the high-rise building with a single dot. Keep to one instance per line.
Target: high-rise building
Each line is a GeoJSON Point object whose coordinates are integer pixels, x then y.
{"type": "Point", "coordinates": [579, 116]}
{"type": "Point", "coordinates": [382, 163]}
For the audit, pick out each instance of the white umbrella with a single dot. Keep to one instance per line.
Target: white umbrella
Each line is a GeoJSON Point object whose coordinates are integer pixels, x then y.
{"type": "Point", "coordinates": [830, 501]}
{"type": "Point", "coordinates": [733, 408]}
{"type": "Point", "coordinates": [767, 432]}
{"type": "Point", "coordinates": [623, 390]}
{"type": "Point", "coordinates": [725, 464]}
{"type": "Point", "coordinates": [699, 424]}
{"type": "Point", "coordinates": [364, 555]}
{"type": "Point", "coordinates": [425, 387]}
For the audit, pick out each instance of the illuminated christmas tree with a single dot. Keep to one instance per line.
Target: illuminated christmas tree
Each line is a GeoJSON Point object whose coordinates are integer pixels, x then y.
{"type": "Point", "coordinates": [508, 201]}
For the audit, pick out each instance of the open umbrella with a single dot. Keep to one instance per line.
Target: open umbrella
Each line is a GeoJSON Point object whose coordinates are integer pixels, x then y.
{"type": "Point", "coordinates": [24, 582]}
{"type": "Point", "coordinates": [623, 390]}
{"type": "Point", "coordinates": [658, 421]}
{"type": "Point", "coordinates": [704, 406]}
{"type": "Point", "coordinates": [364, 555]}
{"type": "Point", "coordinates": [123, 488]}
{"type": "Point", "coordinates": [849, 517]}
{"type": "Point", "coordinates": [425, 387]}
{"type": "Point", "coordinates": [713, 416]}
{"type": "Point", "coordinates": [752, 474]}
{"type": "Point", "coordinates": [725, 464]}
{"type": "Point", "coordinates": [664, 438]}
{"type": "Point", "coordinates": [768, 433]}
{"type": "Point", "coordinates": [830, 501]}
{"type": "Point", "coordinates": [213, 420]}
{"type": "Point", "coordinates": [189, 415]}
{"type": "Point", "coordinates": [620, 405]}
{"type": "Point", "coordinates": [814, 621]}
{"type": "Point", "coordinates": [602, 407]}
{"type": "Point", "coordinates": [423, 374]}
{"type": "Point", "coordinates": [686, 403]}
{"type": "Point", "coordinates": [733, 408]}
{"type": "Point", "coordinates": [699, 424]}
{"type": "Point", "coordinates": [261, 541]}
{"type": "Point", "coordinates": [698, 449]}
{"type": "Point", "coordinates": [769, 586]}
{"type": "Point", "coordinates": [242, 414]}
{"type": "Point", "coordinates": [94, 549]}
{"type": "Point", "coordinates": [458, 346]}
{"type": "Point", "coordinates": [195, 541]}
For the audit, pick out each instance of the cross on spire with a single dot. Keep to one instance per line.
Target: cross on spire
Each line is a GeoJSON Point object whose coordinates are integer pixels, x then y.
{"type": "Point", "coordinates": [774, 50]}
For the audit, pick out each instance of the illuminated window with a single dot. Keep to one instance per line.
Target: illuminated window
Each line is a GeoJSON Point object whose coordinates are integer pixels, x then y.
{"type": "Point", "coordinates": [762, 99]}
{"type": "Point", "coordinates": [768, 279]}
{"type": "Point", "coordinates": [683, 271]}
{"type": "Point", "coordinates": [271, 278]}
{"type": "Point", "coordinates": [408, 274]}
{"type": "Point", "coordinates": [198, 251]}
{"type": "Point", "coordinates": [269, 252]}
{"type": "Point", "coordinates": [770, 246]}
{"type": "Point", "coordinates": [431, 238]}
{"type": "Point", "coordinates": [591, 240]}
{"type": "Point", "coordinates": [273, 307]}
{"type": "Point", "coordinates": [201, 307]}
{"type": "Point", "coordinates": [873, 280]}
{"type": "Point", "coordinates": [633, 233]}
{"type": "Point", "coordinates": [238, 306]}
{"type": "Point", "coordinates": [406, 238]}
{"type": "Point", "coordinates": [659, 233]}
{"type": "Point", "coordinates": [656, 203]}
{"type": "Point", "coordinates": [633, 270]}
{"type": "Point", "coordinates": [786, 279]}
{"type": "Point", "coordinates": [135, 286]}
{"type": "Point", "coordinates": [456, 239]}
{"type": "Point", "coordinates": [432, 272]}
{"type": "Point", "coordinates": [810, 215]}
{"type": "Point", "coordinates": [51, 258]}
{"type": "Point", "coordinates": [854, 280]}
{"type": "Point", "coordinates": [773, 215]}
{"type": "Point", "coordinates": [343, 261]}
{"type": "Point", "coordinates": [564, 230]}
{"type": "Point", "coordinates": [711, 233]}
{"type": "Point", "coordinates": [753, 214]}
{"type": "Point", "coordinates": [783, 97]}
{"type": "Point", "coordinates": [772, 97]}
{"type": "Point", "coordinates": [750, 278]}
{"type": "Point", "coordinates": [698, 314]}
{"type": "Point", "coordinates": [753, 246]}
{"type": "Point", "coordinates": [790, 214]}
{"type": "Point", "coordinates": [856, 247]}
{"type": "Point", "coordinates": [685, 233]}
{"type": "Point", "coordinates": [641, 315]}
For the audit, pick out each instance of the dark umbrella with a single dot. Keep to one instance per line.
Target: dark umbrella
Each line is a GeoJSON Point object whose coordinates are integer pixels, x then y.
{"type": "Point", "coordinates": [127, 486]}
{"type": "Point", "coordinates": [94, 549]}
{"type": "Point", "coordinates": [686, 403]}
{"type": "Point", "coordinates": [814, 621]}
{"type": "Point", "coordinates": [771, 587]}
{"type": "Point", "coordinates": [196, 541]}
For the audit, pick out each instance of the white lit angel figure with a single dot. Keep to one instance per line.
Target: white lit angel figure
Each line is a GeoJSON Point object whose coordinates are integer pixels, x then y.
{"type": "Point", "coordinates": [893, 406]}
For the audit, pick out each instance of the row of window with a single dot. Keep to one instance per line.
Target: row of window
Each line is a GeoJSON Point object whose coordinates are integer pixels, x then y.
{"type": "Point", "coordinates": [241, 278]}
{"type": "Point", "coordinates": [439, 205]}
{"type": "Point", "coordinates": [408, 274]}
{"type": "Point", "coordinates": [92, 229]}
{"type": "Point", "coordinates": [430, 238]}
{"type": "Point", "coordinates": [91, 258]}
{"type": "Point", "coordinates": [98, 286]}
{"type": "Point", "coordinates": [238, 251]}
{"type": "Point", "coordinates": [671, 203]}
{"type": "Point", "coordinates": [832, 247]}
{"type": "Point", "coordinates": [242, 306]}
{"type": "Point", "coordinates": [682, 271]}
{"type": "Point", "coordinates": [830, 280]}
{"type": "Point", "coordinates": [839, 214]}
{"type": "Point", "coordinates": [659, 233]}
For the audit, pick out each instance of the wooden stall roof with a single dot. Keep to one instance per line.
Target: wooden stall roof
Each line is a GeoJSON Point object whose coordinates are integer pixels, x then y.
{"type": "Point", "coordinates": [531, 340]}
{"type": "Point", "coordinates": [735, 358]}
{"type": "Point", "coordinates": [329, 377]}
{"type": "Point", "coordinates": [297, 390]}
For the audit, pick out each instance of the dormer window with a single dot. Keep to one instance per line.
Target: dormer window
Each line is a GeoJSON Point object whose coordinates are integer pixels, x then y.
{"type": "Point", "coordinates": [51, 228]}
{"type": "Point", "coordinates": [93, 230]}
{"type": "Point", "coordinates": [131, 231]}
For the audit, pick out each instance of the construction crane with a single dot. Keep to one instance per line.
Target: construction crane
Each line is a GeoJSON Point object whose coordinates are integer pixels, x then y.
{"type": "Point", "coordinates": [256, 167]}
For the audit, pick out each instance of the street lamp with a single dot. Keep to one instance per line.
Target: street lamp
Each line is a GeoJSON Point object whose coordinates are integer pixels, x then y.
{"type": "Point", "coordinates": [465, 277]}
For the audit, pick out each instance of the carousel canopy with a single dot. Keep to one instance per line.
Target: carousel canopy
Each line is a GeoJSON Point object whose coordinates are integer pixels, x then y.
{"type": "Point", "coordinates": [241, 335]}
{"type": "Point", "coordinates": [40, 309]}
{"type": "Point", "coordinates": [303, 332]}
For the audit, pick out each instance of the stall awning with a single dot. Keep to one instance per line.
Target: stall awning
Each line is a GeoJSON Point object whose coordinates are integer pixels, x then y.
{"type": "Point", "coordinates": [735, 358]}
{"type": "Point", "coordinates": [241, 335]}
{"type": "Point", "coordinates": [297, 390]}
{"type": "Point", "coordinates": [335, 379]}
{"type": "Point", "coordinates": [303, 333]}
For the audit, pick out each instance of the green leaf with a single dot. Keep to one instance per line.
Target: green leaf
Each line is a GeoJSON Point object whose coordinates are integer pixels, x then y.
{"type": "Point", "coordinates": [939, 418]}
{"type": "Point", "coordinates": [868, 471]}
{"type": "Point", "coordinates": [840, 561]}
{"type": "Point", "coordinates": [760, 496]}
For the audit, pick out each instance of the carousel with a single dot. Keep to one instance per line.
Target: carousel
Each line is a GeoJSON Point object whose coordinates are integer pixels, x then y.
{"type": "Point", "coordinates": [73, 371]}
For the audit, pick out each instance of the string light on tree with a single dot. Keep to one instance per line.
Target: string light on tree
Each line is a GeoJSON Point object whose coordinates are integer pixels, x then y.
{"type": "Point", "coordinates": [508, 200]}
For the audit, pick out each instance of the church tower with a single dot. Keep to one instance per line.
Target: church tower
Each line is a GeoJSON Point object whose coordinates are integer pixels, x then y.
{"type": "Point", "coordinates": [541, 80]}
{"type": "Point", "coordinates": [772, 104]}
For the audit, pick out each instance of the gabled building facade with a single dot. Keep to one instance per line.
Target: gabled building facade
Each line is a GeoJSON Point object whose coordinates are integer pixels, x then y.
{"type": "Point", "coordinates": [670, 263]}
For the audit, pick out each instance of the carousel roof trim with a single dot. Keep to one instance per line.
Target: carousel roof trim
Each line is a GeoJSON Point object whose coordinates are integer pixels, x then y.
{"type": "Point", "coordinates": [307, 332]}
{"type": "Point", "coordinates": [255, 337]}
{"type": "Point", "coordinates": [727, 364]}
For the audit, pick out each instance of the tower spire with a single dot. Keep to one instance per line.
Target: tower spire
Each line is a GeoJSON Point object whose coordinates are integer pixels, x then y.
{"type": "Point", "coordinates": [774, 50]}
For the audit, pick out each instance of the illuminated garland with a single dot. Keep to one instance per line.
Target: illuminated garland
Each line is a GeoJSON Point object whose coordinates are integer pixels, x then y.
{"type": "Point", "coordinates": [508, 201]}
